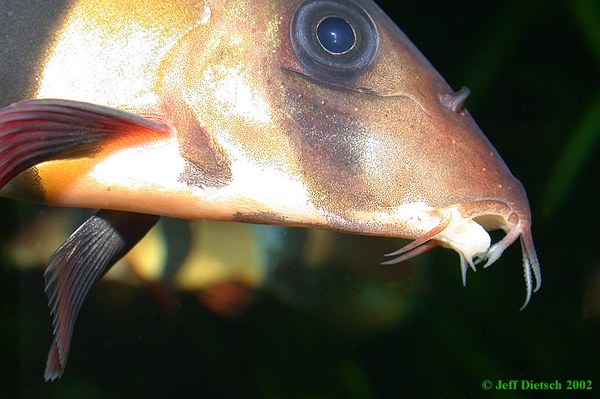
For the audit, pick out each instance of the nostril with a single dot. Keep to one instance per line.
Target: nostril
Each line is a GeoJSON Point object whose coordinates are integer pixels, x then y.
{"type": "Point", "coordinates": [455, 101]}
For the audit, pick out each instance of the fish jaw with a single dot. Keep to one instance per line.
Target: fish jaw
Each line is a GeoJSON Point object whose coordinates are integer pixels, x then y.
{"type": "Point", "coordinates": [464, 229]}
{"type": "Point", "coordinates": [515, 220]}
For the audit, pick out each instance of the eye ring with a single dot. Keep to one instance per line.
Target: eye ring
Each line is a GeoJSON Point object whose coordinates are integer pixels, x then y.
{"type": "Point", "coordinates": [317, 57]}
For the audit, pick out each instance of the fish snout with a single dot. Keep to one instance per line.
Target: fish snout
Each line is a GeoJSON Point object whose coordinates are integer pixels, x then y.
{"type": "Point", "coordinates": [514, 218]}
{"type": "Point", "coordinates": [464, 228]}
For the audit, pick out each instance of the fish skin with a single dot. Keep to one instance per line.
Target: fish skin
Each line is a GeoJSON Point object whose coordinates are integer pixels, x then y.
{"type": "Point", "coordinates": [256, 131]}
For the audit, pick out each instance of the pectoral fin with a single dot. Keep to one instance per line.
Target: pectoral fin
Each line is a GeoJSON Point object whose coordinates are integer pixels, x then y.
{"type": "Point", "coordinates": [36, 131]}
{"type": "Point", "coordinates": [78, 264]}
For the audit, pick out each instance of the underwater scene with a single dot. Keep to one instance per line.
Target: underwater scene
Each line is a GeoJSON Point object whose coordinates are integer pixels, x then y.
{"type": "Point", "coordinates": [223, 309]}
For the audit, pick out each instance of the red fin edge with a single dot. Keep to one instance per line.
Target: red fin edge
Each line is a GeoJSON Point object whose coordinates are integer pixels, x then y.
{"type": "Point", "coordinates": [36, 131]}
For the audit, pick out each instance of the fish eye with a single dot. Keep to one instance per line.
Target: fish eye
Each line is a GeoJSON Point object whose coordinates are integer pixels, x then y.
{"type": "Point", "coordinates": [334, 40]}
{"type": "Point", "coordinates": [336, 35]}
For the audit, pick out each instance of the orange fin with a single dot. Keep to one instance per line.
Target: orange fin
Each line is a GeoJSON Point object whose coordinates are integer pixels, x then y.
{"type": "Point", "coordinates": [78, 264]}
{"type": "Point", "coordinates": [36, 131]}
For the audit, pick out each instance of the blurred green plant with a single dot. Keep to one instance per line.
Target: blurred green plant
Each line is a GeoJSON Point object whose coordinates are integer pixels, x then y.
{"type": "Point", "coordinates": [574, 158]}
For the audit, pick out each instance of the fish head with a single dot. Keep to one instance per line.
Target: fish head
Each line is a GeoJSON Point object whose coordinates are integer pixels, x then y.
{"type": "Point", "coordinates": [313, 113]}
{"type": "Point", "coordinates": [371, 139]}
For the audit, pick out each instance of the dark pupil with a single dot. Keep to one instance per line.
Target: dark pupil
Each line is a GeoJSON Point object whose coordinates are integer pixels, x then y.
{"type": "Point", "coordinates": [335, 35]}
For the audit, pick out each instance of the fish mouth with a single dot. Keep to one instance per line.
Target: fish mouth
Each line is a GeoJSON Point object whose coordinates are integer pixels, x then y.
{"type": "Point", "coordinates": [464, 228]}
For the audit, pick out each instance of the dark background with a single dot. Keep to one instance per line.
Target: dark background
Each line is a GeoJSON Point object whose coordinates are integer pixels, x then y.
{"type": "Point", "coordinates": [533, 70]}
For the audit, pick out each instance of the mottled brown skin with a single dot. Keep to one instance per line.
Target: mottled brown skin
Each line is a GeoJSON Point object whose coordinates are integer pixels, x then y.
{"type": "Point", "coordinates": [319, 130]}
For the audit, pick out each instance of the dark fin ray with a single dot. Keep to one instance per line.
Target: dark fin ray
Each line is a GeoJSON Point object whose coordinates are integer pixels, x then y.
{"type": "Point", "coordinates": [78, 264]}
{"type": "Point", "coordinates": [36, 131]}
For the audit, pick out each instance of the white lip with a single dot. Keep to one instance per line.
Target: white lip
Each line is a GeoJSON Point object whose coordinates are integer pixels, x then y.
{"type": "Point", "coordinates": [468, 238]}
{"type": "Point", "coordinates": [451, 228]}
